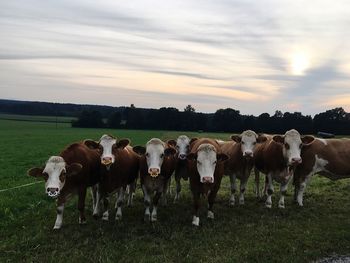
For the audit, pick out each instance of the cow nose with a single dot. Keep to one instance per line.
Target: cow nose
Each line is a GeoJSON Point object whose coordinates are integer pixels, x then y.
{"type": "Point", "coordinates": [296, 160]}
{"type": "Point", "coordinates": [106, 160]}
{"type": "Point", "coordinates": [207, 180]}
{"type": "Point", "coordinates": [154, 172]}
{"type": "Point", "coordinates": [182, 156]}
{"type": "Point", "coordinates": [248, 154]}
{"type": "Point", "coordinates": [52, 191]}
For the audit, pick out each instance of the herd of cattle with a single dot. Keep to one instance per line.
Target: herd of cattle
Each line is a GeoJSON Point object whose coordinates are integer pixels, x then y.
{"type": "Point", "coordinates": [113, 166]}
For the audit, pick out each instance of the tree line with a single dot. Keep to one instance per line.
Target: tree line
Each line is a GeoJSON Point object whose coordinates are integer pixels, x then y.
{"type": "Point", "coordinates": [335, 121]}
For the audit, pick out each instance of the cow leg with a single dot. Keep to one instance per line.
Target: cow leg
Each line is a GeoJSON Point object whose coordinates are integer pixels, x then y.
{"type": "Point", "coordinates": [96, 195]}
{"type": "Point", "coordinates": [301, 190]}
{"type": "Point", "coordinates": [147, 202]}
{"type": "Point", "coordinates": [257, 183]}
{"type": "Point", "coordinates": [266, 186]}
{"type": "Point", "coordinates": [81, 205]}
{"type": "Point", "coordinates": [131, 193]}
{"type": "Point", "coordinates": [283, 190]}
{"type": "Point", "coordinates": [105, 215]}
{"type": "Point", "coordinates": [165, 191]}
{"type": "Point", "coordinates": [195, 219]}
{"type": "Point", "coordinates": [233, 189]}
{"type": "Point", "coordinates": [211, 200]}
{"type": "Point", "coordinates": [270, 190]}
{"type": "Point", "coordinates": [119, 203]}
{"type": "Point", "coordinates": [242, 189]}
{"type": "Point", "coordinates": [178, 187]}
{"type": "Point", "coordinates": [59, 211]}
{"type": "Point", "coordinates": [156, 198]}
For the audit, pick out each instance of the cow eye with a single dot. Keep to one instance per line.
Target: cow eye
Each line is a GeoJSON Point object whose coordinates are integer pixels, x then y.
{"type": "Point", "coordinates": [62, 177]}
{"type": "Point", "coordinates": [162, 155]}
{"type": "Point", "coordinates": [286, 145]}
{"type": "Point", "coordinates": [242, 142]}
{"type": "Point", "coordinates": [254, 143]}
{"type": "Point", "coordinates": [147, 154]}
{"type": "Point", "coordinates": [198, 162]}
{"type": "Point", "coordinates": [301, 145]}
{"type": "Point", "coordinates": [177, 146]}
{"type": "Point", "coordinates": [214, 162]}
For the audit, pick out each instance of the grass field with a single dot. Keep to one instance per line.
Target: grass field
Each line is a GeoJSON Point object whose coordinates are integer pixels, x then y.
{"type": "Point", "coordinates": [248, 233]}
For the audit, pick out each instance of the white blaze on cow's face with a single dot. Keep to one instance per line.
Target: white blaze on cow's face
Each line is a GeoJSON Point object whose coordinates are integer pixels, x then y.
{"type": "Point", "coordinates": [154, 156]}
{"type": "Point", "coordinates": [107, 157]}
{"type": "Point", "coordinates": [54, 174]}
{"type": "Point", "coordinates": [292, 145]}
{"type": "Point", "coordinates": [248, 143]}
{"type": "Point", "coordinates": [182, 146]}
{"type": "Point", "coordinates": [206, 162]}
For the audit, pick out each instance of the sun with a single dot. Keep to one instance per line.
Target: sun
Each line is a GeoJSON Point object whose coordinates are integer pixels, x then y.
{"type": "Point", "coordinates": [300, 62]}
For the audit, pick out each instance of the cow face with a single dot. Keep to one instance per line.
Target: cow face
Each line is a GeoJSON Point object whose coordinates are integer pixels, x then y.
{"type": "Point", "coordinates": [248, 140]}
{"type": "Point", "coordinates": [182, 146]}
{"type": "Point", "coordinates": [107, 145]}
{"type": "Point", "coordinates": [292, 145]}
{"type": "Point", "coordinates": [55, 174]}
{"type": "Point", "coordinates": [155, 152]}
{"type": "Point", "coordinates": [207, 158]}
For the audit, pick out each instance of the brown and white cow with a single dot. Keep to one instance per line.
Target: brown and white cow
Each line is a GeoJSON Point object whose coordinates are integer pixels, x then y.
{"type": "Point", "coordinates": [157, 164]}
{"type": "Point", "coordinates": [75, 169]}
{"type": "Point", "coordinates": [277, 158]}
{"type": "Point", "coordinates": [241, 153]}
{"type": "Point", "coordinates": [206, 169]}
{"type": "Point", "coordinates": [181, 171]}
{"type": "Point", "coordinates": [327, 157]}
{"type": "Point", "coordinates": [119, 168]}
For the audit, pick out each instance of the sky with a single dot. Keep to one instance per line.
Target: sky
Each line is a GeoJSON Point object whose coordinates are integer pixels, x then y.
{"type": "Point", "coordinates": [253, 56]}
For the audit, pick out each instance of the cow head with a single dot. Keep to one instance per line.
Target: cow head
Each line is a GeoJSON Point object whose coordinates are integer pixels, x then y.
{"type": "Point", "coordinates": [106, 146]}
{"type": "Point", "coordinates": [155, 152]}
{"type": "Point", "coordinates": [207, 158]}
{"type": "Point", "coordinates": [55, 174]}
{"type": "Point", "coordinates": [248, 140]}
{"type": "Point", "coordinates": [292, 144]}
{"type": "Point", "coordinates": [182, 146]}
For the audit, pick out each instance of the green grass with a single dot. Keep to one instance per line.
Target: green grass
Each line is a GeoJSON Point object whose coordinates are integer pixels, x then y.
{"type": "Point", "coordinates": [248, 233]}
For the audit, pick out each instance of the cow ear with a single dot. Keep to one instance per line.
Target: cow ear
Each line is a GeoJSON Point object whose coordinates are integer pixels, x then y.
{"type": "Point", "coordinates": [139, 150]}
{"type": "Point", "coordinates": [191, 156]}
{"type": "Point", "coordinates": [169, 151]}
{"type": "Point", "coordinates": [261, 139]}
{"type": "Point", "coordinates": [171, 142]}
{"type": "Point", "coordinates": [35, 172]}
{"type": "Point", "coordinates": [236, 138]}
{"type": "Point", "coordinates": [123, 143]}
{"type": "Point", "coordinates": [278, 139]}
{"type": "Point", "coordinates": [193, 140]}
{"type": "Point", "coordinates": [221, 157]}
{"type": "Point", "coordinates": [73, 169]}
{"type": "Point", "coordinates": [91, 144]}
{"type": "Point", "coordinates": [308, 139]}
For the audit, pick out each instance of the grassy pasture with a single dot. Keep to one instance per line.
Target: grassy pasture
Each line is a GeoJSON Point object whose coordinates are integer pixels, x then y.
{"type": "Point", "coordinates": [248, 233]}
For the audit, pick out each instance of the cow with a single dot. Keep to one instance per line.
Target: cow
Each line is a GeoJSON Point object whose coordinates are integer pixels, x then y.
{"type": "Point", "coordinates": [181, 172]}
{"type": "Point", "coordinates": [327, 157]}
{"type": "Point", "coordinates": [157, 164]}
{"type": "Point", "coordinates": [206, 169]}
{"type": "Point", "coordinates": [241, 153]}
{"type": "Point", "coordinates": [119, 168]}
{"type": "Point", "coordinates": [277, 158]}
{"type": "Point", "coordinates": [72, 172]}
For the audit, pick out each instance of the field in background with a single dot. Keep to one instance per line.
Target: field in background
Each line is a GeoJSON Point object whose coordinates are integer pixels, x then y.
{"type": "Point", "coordinates": [243, 233]}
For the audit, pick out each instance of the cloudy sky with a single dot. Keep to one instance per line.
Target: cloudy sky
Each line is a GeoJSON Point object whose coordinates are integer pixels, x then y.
{"type": "Point", "coordinates": [254, 56]}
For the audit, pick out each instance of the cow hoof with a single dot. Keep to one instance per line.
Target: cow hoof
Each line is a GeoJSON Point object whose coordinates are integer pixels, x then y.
{"type": "Point", "coordinates": [210, 215]}
{"type": "Point", "coordinates": [56, 227]}
{"type": "Point", "coordinates": [268, 205]}
{"type": "Point", "coordinates": [153, 218]}
{"type": "Point", "coordinates": [241, 202]}
{"type": "Point", "coordinates": [105, 216]}
{"type": "Point", "coordinates": [195, 221]}
{"type": "Point", "coordinates": [281, 206]}
{"type": "Point", "coordinates": [118, 217]}
{"type": "Point", "coordinates": [231, 203]}
{"type": "Point", "coordinates": [82, 222]}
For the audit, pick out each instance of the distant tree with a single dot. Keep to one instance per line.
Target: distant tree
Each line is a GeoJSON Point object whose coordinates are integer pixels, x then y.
{"type": "Point", "coordinates": [227, 120]}
{"type": "Point", "coordinates": [114, 120]}
{"type": "Point", "coordinates": [189, 108]}
{"type": "Point", "coordinates": [89, 119]}
{"type": "Point", "coordinates": [334, 121]}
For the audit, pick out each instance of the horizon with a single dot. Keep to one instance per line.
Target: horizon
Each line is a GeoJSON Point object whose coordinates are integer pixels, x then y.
{"type": "Point", "coordinates": [254, 57]}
